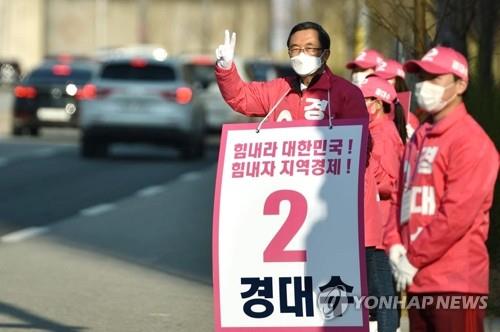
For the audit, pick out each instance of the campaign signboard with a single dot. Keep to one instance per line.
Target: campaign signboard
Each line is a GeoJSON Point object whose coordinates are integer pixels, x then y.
{"type": "Point", "coordinates": [412, 121]}
{"type": "Point", "coordinates": [288, 243]}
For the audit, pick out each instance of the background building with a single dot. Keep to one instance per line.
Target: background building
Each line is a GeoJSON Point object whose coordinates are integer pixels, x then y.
{"type": "Point", "coordinates": [31, 29]}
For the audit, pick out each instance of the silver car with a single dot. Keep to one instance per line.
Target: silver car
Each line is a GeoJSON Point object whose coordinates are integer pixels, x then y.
{"type": "Point", "coordinates": [141, 99]}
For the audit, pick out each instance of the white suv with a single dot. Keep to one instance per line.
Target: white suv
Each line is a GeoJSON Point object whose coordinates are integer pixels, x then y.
{"type": "Point", "coordinates": [140, 99]}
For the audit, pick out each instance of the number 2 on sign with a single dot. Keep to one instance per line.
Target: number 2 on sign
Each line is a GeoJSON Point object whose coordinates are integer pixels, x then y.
{"type": "Point", "coordinates": [275, 251]}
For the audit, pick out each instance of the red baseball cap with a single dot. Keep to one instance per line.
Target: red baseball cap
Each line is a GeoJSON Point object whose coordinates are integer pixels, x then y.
{"type": "Point", "coordinates": [440, 60]}
{"type": "Point", "coordinates": [366, 59]}
{"type": "Point", "coordinates": [378, 88]}
{"type": "Point", "coordinates": [388, 69]}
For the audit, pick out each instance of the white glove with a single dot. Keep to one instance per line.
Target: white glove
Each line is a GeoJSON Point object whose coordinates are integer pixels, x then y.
{"type": "Point", "coordinates": [225, 52]}
{"type": "Point", "coordinates": [405, 272]}
{"type": "Point", "coordinates": [395, 253]}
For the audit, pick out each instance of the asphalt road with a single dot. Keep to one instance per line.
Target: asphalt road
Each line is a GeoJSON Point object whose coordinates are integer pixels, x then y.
{"type": "Point", "coordinates": [42, 183]}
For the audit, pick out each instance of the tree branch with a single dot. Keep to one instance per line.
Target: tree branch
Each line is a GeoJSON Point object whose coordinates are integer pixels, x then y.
{"type": "Point", "coordinates": [404, 12]}
{"type": "Point", "coordinates": [375, 15]}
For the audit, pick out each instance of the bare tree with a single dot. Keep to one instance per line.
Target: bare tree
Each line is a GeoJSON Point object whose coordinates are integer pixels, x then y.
{"type": "Point", "coordinates": [406, 21]}
{"type": "Point", "coordinates": [419, 24]}
{"type": "Point", "coordinates": [419, 28]}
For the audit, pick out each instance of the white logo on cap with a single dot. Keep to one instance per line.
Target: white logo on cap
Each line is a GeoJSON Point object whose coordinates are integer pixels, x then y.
{"type": "Point", "coordinates": [382, 94]}
{"type": "Point", "coordinates": [381, 66]}
{"type": "Point", "coordinates": [431, 55]}
{"type": "Point", "coordinates": [455, 65]}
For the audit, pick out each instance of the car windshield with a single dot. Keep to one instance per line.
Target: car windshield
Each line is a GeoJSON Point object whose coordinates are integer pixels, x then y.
{"type": "Point", "coordinates": [59, 75]}
{"type": "Point", "coordinates": [144, 72]}
{"type": "Point", "coordinates": [203, 74]}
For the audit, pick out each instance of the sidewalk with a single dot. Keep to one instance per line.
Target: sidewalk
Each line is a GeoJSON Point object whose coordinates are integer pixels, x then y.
{"type": "Point", "coordinates": [142, 267]}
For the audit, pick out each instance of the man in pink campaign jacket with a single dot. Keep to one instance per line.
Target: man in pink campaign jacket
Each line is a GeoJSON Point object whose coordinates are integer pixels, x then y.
{"type": "Point", "coordinates": [449, 172]}
{"type": "Point", "coordinates": [315, 93]}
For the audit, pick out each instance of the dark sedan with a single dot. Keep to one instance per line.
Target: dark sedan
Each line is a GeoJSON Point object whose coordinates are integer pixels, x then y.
{"type": "Point", "coordinates": [48, 96]}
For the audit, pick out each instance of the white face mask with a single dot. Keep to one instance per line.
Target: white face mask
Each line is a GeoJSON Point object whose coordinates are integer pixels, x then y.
{"type": "Point", "coordinates": [359, 77]}
{"type": "Point", "coordinates": [430, 96]}
{"type": "Point", "coordinates": [305, 65]}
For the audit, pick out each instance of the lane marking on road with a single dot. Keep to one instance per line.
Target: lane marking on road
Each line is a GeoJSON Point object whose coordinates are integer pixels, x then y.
{"type": "Point", "coordinates": [44, 152]}
{"type": "Point", "coordinates": [150, 191]}
{"type": "Point", "coordinates": [97, 210]}
{"type": "Point", "coordinates": [23, 234]}
{"type": "Point", "coordinates": [191, 176]}
{"type": "Point", "coordinates": [160, 314]}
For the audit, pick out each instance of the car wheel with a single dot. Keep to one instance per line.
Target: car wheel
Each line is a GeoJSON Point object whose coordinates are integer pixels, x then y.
{"type": "Point", "coordinates": [34, 131]}
{"type": "Point", "coordinates": [92, 148]}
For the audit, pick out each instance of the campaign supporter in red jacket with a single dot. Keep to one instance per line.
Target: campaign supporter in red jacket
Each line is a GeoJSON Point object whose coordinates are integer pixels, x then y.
{"type": "Point", "coordinates": [385, 158]}
{"type": "Point", "coordinates": [379, 272]}
{"type": "Point", "coordinates": [450, 168]}
{"type": "Point", "coordinates": [381, 97]}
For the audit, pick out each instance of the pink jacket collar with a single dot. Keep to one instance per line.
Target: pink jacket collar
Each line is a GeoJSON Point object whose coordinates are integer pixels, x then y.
{"type": "Point", "coordinates": [447, 122]}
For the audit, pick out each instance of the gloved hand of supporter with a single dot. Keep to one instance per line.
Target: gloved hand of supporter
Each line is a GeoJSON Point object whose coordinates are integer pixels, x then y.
{"type": "Point", "coordinates": [225, 52]}
{"type": "Point", "coordinates": [405, 272]}
{"type": "Point", "coordinates": [395, 253]}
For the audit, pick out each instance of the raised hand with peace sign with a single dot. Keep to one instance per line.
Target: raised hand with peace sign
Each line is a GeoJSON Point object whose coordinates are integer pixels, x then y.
{"type": "Point", "coordinates": [225, 52]}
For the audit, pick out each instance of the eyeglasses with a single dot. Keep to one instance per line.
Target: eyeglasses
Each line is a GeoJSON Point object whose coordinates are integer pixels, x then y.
{"type": "Point", "coordinates": [294, 51]}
